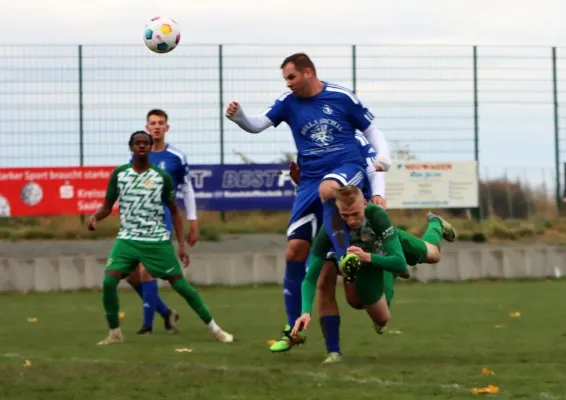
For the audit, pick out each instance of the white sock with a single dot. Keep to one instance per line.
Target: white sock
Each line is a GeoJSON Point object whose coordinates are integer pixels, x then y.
{"type": "Point", "coordinates": [213, 326]}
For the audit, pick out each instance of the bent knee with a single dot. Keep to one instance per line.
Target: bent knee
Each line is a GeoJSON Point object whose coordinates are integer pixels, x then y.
{"type": "Point", "coordinates": [111, 278]}
{"type": "Point", "coordinates": [297, 250]}
{"type": "Point", "coordinates": [433, 254]}
{"type": "Point", "coordinates": [327, 189]}
{"type": "Point", "coordinates": [352, 297]}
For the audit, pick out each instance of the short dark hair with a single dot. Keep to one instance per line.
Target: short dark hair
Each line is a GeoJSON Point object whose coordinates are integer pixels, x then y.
{"type": "Point", "coordinates": [157, 112]}
{"type": "Point", "coordinates": [131, 141]}
{"type": "Point", "coordinates": [301, 62]}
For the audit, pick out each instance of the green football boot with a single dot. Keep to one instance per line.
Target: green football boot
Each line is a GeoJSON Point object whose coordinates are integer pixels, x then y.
{"type": "Point", "coordinates": [332, 358]}
{"type": "Point", "coordinates": [448, 231]}
{"type": "Point", "coordinates": [349, 266]}
{"type": "Point", "coordinates": [287, 341]}
{"type": "Point", "coordinates": [380, 329]}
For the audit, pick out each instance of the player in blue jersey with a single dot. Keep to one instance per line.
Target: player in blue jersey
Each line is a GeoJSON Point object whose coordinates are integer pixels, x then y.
{"type": "Point", "coordinates": [323, 118]}
{"type": "Point", "coordinates": [174, 161]}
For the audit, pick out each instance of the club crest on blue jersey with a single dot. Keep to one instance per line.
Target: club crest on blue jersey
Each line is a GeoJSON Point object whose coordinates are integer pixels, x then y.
{"type": "Point", "coordinates": [327, 109]}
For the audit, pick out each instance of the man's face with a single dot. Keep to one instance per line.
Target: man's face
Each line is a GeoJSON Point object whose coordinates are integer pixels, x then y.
{"type": "Point", "coordinates": [157, 126]}
{"type": "Point", "coordinates": [296, 81]}
{"type": "Point", "coordinates": [141, 145]}
{"type": "Point", "coordinates": [352, 214]}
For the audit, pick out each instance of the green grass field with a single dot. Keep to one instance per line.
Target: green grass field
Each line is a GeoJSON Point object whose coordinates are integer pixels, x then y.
{"type": "Point", "coordinates": [448, 333]}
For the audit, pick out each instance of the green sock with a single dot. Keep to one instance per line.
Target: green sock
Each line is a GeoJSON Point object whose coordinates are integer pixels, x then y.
{"type": "Point", "coordinates": [189, 293]}
{"type": "Point", "coordinates": [110, 300]}
{"type": "Point", "coordinates": [433, 233]}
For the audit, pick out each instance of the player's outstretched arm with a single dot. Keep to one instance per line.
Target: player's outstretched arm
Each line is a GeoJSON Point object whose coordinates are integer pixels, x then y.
{"type": "Point", "coordinates": [189, 200]}
{"type": "Point", "coordinates": [109, 199]}
{"type": "Point", "coordinates": [377, 140]}
{"type": "Point", "coordinates": [178, 226]}
{"type": "Point", "coordinates": [249, 123]}
{"type": "Point", "coordinates": [168, 196]}
{"type": "Point", "coordinates": [308, 292]}
{"type": "Point", "coordinates": [320, 247]}
{"type": "Point", "coordinates": [104, 211]}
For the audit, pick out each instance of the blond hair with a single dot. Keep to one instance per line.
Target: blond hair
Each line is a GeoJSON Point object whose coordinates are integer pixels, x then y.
{"type": "Point", "coordinates": [348, 195]}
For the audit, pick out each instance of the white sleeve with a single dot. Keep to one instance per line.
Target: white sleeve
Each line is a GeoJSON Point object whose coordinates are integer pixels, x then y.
{"type": "Point", "coordinates": [189, 200]}
{"type": "Point", "coordinates": [252, 123]}
{"type": "Point", "coordinates": [377, 140]}
{"type": "Point", "coordinates": [376, 181]}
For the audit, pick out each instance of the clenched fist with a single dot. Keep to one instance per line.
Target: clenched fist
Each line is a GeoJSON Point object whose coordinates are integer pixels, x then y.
{"type": "Point", "coordinates": [232, 109]}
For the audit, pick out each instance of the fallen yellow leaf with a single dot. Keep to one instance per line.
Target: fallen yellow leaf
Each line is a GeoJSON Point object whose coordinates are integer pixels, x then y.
{"type": "Point", "coordinates": [271, 342]}
{"type": "Point", "coordinates": [184, 350]}
{"type": "Point", "coordinates": [394, 332]}
{"type": "Point", "coordinates": [487, 371]}
{"type": "Point", "coordinates": [122, 314]}
{"type": "Point", "coordinates": [498, 326]}
{"type": "Point", "coordinates": [32, 319]}
{"type": "Point", "coordinates": [27, 363]}
{"type": "Point", "coordinates": [490, 389]}
{"type": "Point", "coordinates": [515, 314]}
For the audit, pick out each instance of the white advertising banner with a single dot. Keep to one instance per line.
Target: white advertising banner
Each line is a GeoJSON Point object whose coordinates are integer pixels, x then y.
{"type": "Point", "coordinates": [432, 185]}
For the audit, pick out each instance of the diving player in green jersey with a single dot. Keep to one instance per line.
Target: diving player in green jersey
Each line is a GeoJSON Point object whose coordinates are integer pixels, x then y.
{"type": "Point", "coordinates": [142, 190]}
{"type": "Point", "coordinates": [377, 253]}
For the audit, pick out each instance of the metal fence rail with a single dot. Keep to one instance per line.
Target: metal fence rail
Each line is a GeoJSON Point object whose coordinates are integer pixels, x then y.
{"type": "Point", "coordinates": [76, 105]}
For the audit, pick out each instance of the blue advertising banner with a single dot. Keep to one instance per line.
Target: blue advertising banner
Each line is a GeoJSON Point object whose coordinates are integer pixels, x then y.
{"type": "Point", "coordinates": [241, 187]}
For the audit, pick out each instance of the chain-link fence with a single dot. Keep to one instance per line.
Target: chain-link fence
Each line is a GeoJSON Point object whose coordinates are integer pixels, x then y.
{"type": "Point", "coordinates": [76, 105]}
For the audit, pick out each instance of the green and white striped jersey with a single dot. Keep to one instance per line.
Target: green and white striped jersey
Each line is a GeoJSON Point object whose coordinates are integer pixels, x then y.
{"type": "Point", "coordinates": [141, 198]}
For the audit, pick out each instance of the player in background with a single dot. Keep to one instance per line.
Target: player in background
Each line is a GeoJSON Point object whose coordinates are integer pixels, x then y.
{"type": "Point", "coordinates": [173, 161]}
{"type": "Point", "coordinates": [141, 189]}
{"type": "Point", "coordinates": [380, 252]}
{"type": "Point", "coordinates": [323, 118]}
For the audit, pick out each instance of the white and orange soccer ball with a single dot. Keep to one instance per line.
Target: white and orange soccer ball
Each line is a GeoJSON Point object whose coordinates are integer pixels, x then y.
{"type": "Point", "coordinates": [162, 34]}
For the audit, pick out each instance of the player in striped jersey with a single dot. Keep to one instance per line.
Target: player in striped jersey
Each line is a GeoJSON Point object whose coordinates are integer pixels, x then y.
{"type": "Point", "coordinates": [174, 161]}
{"type": "Point", "coordinates": [141, 190]}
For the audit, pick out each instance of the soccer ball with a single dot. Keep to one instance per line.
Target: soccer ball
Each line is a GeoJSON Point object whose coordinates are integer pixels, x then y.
{"type": "Point", "coordinates": [161, 35]}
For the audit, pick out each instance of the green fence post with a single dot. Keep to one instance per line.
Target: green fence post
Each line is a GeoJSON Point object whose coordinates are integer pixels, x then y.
{"type": "Point", "coordinates": [556, 133]}
{"type": "Point", "coordinates": [354, 68]}
{"type": "Point", "coordinates": [479, 211]}
{"type": "Point", "coordinates": [81, 116]}
{"type": "Point", "coordinates": [221, 112]}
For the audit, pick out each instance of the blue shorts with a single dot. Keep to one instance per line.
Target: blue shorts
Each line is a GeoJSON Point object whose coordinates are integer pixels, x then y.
{"type": "Point", "coordinates": [306, 215]}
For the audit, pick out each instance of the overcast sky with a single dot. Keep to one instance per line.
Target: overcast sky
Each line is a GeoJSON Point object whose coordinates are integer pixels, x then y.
{"type": "Point", "coordinates": [538, 22]}
{"type": "Point", "coordinates": [317, 22]}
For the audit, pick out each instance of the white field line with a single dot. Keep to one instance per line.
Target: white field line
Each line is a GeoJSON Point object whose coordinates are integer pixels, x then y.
{"type": "Point", "coordinates": [317, 376]}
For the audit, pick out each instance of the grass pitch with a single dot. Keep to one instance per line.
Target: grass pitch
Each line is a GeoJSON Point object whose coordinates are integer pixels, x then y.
{"type": "Point", "coordinates": [440, 338]}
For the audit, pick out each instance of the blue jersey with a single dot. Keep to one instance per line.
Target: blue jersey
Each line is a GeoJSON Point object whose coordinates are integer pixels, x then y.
{"type": "Point", "coordinates": [323, 127]}
{"type": "Point", "coordinates": [174, 162]}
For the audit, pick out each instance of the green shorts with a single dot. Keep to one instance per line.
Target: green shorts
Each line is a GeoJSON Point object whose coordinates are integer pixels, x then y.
{"type": "Point", "coordinates": [158, 258]}
{"type": "Point", "coordinates": [372, 283]}
{"type": "Point", "coordinates": [414, 249]}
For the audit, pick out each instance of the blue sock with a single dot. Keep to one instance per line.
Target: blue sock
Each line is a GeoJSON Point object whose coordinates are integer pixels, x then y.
{"type": "Point", "coordinates": [336, 228]}
{"type": "Point", "coordinates": [294, 275]}
{"type": "Point", "coordinates": [330, 325]}
{"type": "Point", "coordinates": [149, 302]}
{"type": "Point", "coordinates": [161, 307]}
{"type": "Point", "coordinates": [138, 289]}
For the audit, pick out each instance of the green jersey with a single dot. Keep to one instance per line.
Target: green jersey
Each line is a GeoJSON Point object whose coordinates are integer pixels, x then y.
{"type": "Point", "coordinates": [376, 236]}
{"type": "Point", "coordinates": [141, 198]}
{"type": "Point", "coordinates": [375, 231]}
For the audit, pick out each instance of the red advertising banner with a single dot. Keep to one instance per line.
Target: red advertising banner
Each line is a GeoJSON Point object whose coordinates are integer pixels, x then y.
{"type": "Point", "coordinates": [52, 190]}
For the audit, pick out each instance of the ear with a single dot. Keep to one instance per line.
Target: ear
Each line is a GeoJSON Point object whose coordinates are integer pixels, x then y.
{"type": "Point", "coordinates": [308, 73]}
